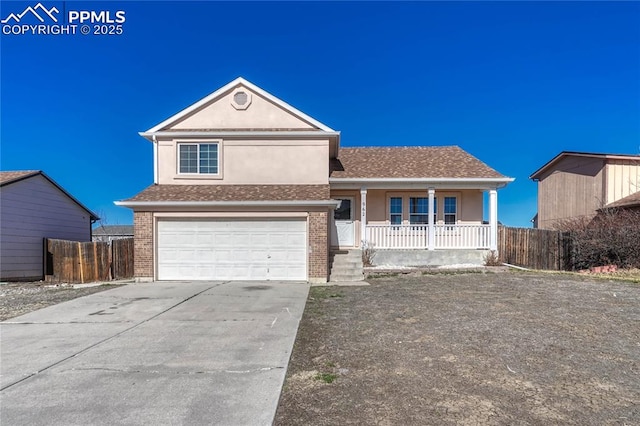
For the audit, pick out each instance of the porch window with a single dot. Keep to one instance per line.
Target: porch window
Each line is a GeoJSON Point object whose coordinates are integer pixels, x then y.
{"type": "Point", "coordinates": [418, 210]}
{"type": "Point", "coordinates": [198, 158]}
{"type": "Point", "coordinates": [450, 210]}
{"type": "Point", "coordinates": [395, 210]}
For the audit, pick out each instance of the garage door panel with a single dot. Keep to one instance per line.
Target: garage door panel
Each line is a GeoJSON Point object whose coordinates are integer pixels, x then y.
{"type": "Point", "coordinates": [228, 249]}
{"type": "Point", "coordinates": [297, 240]}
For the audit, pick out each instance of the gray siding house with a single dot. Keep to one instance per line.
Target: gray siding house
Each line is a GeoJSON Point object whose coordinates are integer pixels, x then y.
{"type": "Point", "coordinates": [108, 233]}
{"type": "Point", "coordinates": [34, 207]}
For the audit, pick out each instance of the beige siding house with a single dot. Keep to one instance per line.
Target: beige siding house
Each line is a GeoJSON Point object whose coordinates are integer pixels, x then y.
{"type": "Point", "coordinates": [248, 187]}
{"type": "Point", "coordinates": [34, 207]}
{"type": "Point", "coordinates": [578, 184]}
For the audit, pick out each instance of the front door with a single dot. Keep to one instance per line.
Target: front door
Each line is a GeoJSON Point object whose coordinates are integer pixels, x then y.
{"type": "Point", "coordinates": [343, 229]}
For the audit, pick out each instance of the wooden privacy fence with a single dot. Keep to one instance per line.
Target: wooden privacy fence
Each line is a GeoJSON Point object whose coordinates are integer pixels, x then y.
{"type": "Point", "coordinates": [535, 248]}
{"type": "Point", "coordinates": [77, 262]}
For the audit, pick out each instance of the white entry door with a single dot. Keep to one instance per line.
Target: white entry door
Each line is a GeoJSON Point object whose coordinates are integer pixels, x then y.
{"type": "Point", "coordinates": [210, 249]}
{"type": "Point", "coordinates": [343, 227]}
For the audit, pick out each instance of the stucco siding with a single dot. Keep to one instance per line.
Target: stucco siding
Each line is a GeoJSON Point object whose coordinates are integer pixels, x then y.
{"type": "Point", "coordinates": [264, 162]}
{"type": "Point", "coordinates": [30, 210]}
{"type": "Point", "coordinates": [623, 179]}
{"type": "Point", "coordinates": [260, 114]}
{"type": "Point", "coordinates": [574, 188]}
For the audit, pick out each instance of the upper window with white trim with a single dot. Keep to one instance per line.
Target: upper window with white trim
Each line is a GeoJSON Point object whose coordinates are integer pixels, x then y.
{"type": "Point", "coordinates": [199, 158]}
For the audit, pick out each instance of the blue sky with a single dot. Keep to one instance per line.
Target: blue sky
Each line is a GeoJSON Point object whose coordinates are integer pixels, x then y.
{"type": "Point", "coordinates": [513, 83]}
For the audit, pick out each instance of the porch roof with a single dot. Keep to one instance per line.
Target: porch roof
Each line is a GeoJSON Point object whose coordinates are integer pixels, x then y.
{"type": "Point", "coordinates": [435, 162]}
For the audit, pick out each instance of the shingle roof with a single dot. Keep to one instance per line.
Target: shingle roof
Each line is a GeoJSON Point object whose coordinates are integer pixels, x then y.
{"type": "Point", "coordinates": [233, 193]}
{"type": "Point", "coordinates": [409, 162]}
{"type": "Point", "coordinates": [11, 176]}
{"type": "Point", "coordinates": [113, 230]}
{"type": "Point", "coordinates": [632, 200]}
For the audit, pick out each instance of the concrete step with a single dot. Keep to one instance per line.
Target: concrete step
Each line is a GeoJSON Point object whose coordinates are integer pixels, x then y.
{"type": "Point", "coordinates": [342, 262]}
{"type": "Point", "coordinates": [346, 265]}
{"type": "Point", "coordinates": [346, 269]}
{"type": "Point", "coordinates": [347, 253]}
{"type": "Point", "coordinates": [349, 277]}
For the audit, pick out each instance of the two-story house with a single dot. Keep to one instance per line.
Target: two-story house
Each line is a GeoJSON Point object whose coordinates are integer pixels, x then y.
{"type": "Point", "coordinates": [248, 187]}
{"type": "Point", "coordinates": [575, 185]}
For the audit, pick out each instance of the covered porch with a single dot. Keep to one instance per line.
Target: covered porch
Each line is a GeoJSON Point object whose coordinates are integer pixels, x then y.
{"type": "Point", "coordinates": [406, 215]}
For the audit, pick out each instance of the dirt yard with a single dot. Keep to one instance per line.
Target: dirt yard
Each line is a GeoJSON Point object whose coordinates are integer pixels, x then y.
{"type": "Point", "coordinates": [467, 349]}
{"type": "Point", "coordinates": [20, 298]}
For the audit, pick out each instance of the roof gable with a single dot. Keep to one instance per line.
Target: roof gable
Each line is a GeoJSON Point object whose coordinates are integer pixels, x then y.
{"type": "Point", "coordinates": [240, 105]}
{"type": "Point", "coordinates": [409, 162]}
{"type": "Point", "coordinates": [577, 155]}
{"type": "Point", "coordinates": [12, 177]}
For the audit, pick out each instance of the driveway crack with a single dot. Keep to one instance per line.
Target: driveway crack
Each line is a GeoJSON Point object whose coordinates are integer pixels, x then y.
{"type": "Point", "coordinates": [169, 372]}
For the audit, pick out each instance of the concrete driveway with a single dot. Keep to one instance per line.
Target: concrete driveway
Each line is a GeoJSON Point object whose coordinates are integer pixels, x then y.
{"type": "Point", "coordinates": [159, 353]}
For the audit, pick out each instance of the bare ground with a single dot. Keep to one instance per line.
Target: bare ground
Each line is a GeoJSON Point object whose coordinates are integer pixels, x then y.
{"type": "Point", "coordinates": [467, 349]}
{"type": "Point", "coordinates": [18, 298]}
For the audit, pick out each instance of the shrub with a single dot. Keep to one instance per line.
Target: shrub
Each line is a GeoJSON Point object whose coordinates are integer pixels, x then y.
{"type": "Point", "coordinates": [368, 253]}
{"type": "Point", "coordinates": [492, 259]}
{"type": "Point", "coordinates": [610, 238]}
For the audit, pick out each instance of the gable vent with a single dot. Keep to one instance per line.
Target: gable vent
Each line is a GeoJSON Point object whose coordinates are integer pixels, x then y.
{"type": "Point", "coordinates": [241, 99]}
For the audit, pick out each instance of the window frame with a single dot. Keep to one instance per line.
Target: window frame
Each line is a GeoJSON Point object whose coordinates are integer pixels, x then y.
{"type": "Point", "coordinates": [198, 144]}
{"type": "Point", "coordinates": [413, 214]}
{"type": "Point", "coordinates": [444, 210]}
{"type": "Point", "coordinates": [401, 213]}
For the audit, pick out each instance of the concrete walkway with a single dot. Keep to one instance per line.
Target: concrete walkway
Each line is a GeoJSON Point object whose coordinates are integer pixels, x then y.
{"type": "Point", "coordinates": [159, 353]}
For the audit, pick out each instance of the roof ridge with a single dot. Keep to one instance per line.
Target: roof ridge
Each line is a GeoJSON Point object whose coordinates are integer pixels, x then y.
{"type": "Point", "coordinates": [401, 147]}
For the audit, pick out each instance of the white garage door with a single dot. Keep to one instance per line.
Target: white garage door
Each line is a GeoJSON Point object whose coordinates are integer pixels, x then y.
{"type": "Point", "coordinates": [273, 249]}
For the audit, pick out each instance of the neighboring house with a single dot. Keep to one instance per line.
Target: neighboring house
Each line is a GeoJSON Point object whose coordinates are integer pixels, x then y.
{"type": "Point", "coordinates": [34, 207]}
{"type": "Point", "coordinates": [108, 233]}
{"type": "Point", "coordinates": [577, 184]}
{"type": "Point", "coordinates": [248, 187]}
{"type": "Point", "coordinates": [630, 202]}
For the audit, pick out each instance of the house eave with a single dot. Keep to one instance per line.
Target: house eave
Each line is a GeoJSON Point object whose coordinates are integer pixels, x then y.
{"type": "Point", "coordinates": [240, 134]}
{"type": "Point", "coordinates": [190, 204]}
{"type": "Point", "coordinates": [420, 183]}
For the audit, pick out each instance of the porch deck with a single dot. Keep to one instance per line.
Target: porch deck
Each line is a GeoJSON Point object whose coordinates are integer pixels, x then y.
{"type": "Point", "coordinates": [406, 236]}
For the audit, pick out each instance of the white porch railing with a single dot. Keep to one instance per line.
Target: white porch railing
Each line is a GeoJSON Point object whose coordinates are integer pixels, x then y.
{"type": "Point", "coordinates": [417, 236]}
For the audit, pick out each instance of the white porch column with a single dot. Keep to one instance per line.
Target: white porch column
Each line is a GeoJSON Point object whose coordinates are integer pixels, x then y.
{"type": "Point", "coordinates": [155, 160]}
{"type": "Point", "coordinates": [363, 215]}
{"type": "Point", "coordinates": [431, 244]}
{"type": "Point", "coordinates": [493, 219]}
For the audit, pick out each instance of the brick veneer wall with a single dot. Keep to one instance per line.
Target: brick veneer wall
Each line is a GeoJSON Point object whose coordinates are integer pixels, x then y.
{"type": "Point", "coordinates": [143, 245]}
{"type": "Point", "coordinates": [319, 246]}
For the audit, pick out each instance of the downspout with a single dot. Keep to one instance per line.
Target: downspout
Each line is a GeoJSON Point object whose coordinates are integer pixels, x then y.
{"type": "Point", "coordinates": [155, 160]}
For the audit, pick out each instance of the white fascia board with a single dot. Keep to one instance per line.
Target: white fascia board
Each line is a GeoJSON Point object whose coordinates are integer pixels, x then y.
{"type": "Point", "coordinates": [186, 134]}
{"type": "Point", "coordinates": [400, 183]}
{"type": "Point", "coordinates": [295, 203]}
{"type": "Point", "coordinates": [229, 86]}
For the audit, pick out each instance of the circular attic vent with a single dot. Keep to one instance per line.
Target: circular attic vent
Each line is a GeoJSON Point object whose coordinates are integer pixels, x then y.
{"type": "Point", "coordinates": [241, 99]}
